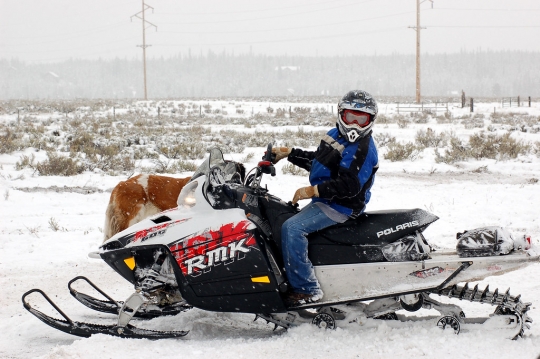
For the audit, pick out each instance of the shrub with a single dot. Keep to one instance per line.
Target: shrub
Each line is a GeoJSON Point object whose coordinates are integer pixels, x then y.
{"type": "Point", "coordinates": [444, 118]}
{"type": "Point", "coordinates": [477, 121]}
{"type": "Point", "coordinates": [9, 141]}
{"type": "Point", "coordinates": [430, 138]}
{"type": "Point", "coordinates": [281, 113]}
{"type": "Point", "coordinates": [420, 117]}
{"type": "Point", "coordinates": [82, 142]}
{"type": "Point", "coordinates": [382, 118]}
{"type": "Point", "coordinates": [458, 151]}
{"type": "Point", "coordinates": [537, 148]}
{"type": "Point", "coordinates": [291, 169]}
{"type": "Point", "coordinates": [402, 122]}
{"type": "Point", "coordinates": [248, 157]}
{"type": "Point", "coordinates": [144, 153]}
{"type": "Point", "coordinates": [383, 139]}
{"type": "Point", "coordinates": [496, 147]}
{"type": "Point", "coordinates": [57, 165]}
{"type": "Point", "coordinates": [25, 161]}
{"type": "Point", "coordinates": [182, 166]}
{"type": "Point", "coordinates": [401, 152]}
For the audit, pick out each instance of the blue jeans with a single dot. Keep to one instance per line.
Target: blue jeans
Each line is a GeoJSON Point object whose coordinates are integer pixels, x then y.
{"type": "Point", "coordinates": [295, 247]}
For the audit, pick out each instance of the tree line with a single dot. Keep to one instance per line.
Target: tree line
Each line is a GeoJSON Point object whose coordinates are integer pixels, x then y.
{"type": "Point", "coordinates": [482, 74]}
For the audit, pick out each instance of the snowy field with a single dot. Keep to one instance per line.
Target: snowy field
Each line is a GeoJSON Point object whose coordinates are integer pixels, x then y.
{"type": "Point", "coordinates": [464, 194]}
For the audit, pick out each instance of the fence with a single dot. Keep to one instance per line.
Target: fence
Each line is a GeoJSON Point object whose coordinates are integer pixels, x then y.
{"type": "Point", "coordinates": [514, 102]}
{"type": "Point", "coordinates": [432, 107]}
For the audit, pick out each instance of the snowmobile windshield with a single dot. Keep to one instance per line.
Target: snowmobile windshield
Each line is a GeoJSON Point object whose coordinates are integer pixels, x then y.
{"type": "Point", "coordinates": [215, 158]}
{"type": "Point", "coordinates": [217, 169]}
{"type": "Point", "coordinates": [218, 172]}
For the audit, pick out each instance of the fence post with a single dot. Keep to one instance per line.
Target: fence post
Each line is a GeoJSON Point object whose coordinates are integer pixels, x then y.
{"type": "Point", "coordinates": [472, 104]}
{"type": "Point", "coordinates": [200, 111]}
{"type": "Point", "coordinates": [158, 112]}
{"type": "Point", "coordinates": [398, 108]}
{"type": "Point", "coordinates": [519, 102]}
{"type": "Point", "coordinates": [529, 101]}
{"type": "Point", "coordinates": [289, 111]}
{"type": "Point", "coordinates": [462, 98]}
{"type": "Point", "coordinates": [510, 102]}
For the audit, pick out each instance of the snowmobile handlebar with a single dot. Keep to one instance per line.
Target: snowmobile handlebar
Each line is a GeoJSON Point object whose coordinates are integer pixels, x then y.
{"type": "Point", "coordinates": [266, 165]}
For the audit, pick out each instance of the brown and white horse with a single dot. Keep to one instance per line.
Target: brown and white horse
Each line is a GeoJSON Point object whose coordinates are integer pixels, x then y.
{"type": "Point", "coordinates": [138, 198]}
{"type": "Point", "coordinates": [143, 196]}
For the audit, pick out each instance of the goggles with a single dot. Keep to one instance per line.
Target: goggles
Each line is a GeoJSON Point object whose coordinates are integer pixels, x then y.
{"type": "Point", "coordinates": [351, 117]}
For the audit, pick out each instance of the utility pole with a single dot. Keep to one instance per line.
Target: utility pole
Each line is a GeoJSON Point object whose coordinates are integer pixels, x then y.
{"type": "Point", "coordinates": [141, 15]}
{"type": "Point", "coordinates": [418, 28]}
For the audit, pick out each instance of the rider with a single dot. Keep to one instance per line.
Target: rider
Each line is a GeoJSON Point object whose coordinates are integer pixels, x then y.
{"type": "Point", "coordinates": [341, 173]}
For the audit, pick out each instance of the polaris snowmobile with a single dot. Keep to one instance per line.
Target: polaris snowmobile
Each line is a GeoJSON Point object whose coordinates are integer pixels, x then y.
{"type": "Point", "coordinates": [220, 250]}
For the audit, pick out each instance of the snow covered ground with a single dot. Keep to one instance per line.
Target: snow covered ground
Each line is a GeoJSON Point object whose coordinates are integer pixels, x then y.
{"type": "Point", "coordinates": [33, 255]}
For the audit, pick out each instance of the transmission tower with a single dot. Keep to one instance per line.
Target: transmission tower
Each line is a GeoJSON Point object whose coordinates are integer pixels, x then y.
{"type": "Point", "coordinates": [141, 15]}
{"type": "Point", "coordinates": [418, 28]}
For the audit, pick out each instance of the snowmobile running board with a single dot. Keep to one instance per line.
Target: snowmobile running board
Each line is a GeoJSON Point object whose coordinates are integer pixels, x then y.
{"type": "Point", "coordinates": [87, 329]}
{"type": "Point", "coordinates": [436, 290]}
{"type": "Point", "coordinates": [113, 307]}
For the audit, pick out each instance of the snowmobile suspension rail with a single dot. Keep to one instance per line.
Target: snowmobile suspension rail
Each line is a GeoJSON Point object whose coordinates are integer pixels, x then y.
{"type": "Point", "coordinates": [505, 303]}
{"type": "Point", "coordinates": [113, 307]}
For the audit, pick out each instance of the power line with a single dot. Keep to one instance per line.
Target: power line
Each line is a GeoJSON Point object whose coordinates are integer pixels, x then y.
{"type": "Point", "coordinates": [311, 4]}
{"type": "Point", "coordinates": [62, 37]}
{"type": "Point", "coordinates": [471, 9]}
{"type": "Point", "coordinates": [260, 18]}
{"type": "Point", "coordinates": [286, 28]}
{"type": "Point", "coordinates": [85, 46]}
{"type": "Point", "coordinates": [347, 34]}
{"type": "Point", "coordinates": [485, 26]}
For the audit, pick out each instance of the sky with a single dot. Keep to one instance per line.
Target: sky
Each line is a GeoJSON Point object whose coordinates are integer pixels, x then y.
{"type": "Point", "coordinates": [58, 30]}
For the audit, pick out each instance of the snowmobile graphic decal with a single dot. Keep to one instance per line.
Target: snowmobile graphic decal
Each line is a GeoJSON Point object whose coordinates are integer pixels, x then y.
{"type": "Point", "coordinates": [200, 252]}
{"type": "Point", "coordinates": [158, 230]}
{"type": "Point", "coordinates": [397, 228]}
{"type": "Point", "coordinates": [426, 273]}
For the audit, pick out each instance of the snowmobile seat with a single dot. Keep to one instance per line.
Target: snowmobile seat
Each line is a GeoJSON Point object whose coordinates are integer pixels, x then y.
{"type": "Point", "coordinates": [377, 228]}
{"type": "Point", "coordinates": [361, 240]}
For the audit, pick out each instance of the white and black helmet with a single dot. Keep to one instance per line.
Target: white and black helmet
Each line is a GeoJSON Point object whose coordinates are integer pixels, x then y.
{"type": "Point", "coordinates": [357, 112]}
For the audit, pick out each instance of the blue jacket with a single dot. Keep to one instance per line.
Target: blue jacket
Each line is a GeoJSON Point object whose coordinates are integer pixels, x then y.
{"type": "Point", "coordinates": [343, 172]}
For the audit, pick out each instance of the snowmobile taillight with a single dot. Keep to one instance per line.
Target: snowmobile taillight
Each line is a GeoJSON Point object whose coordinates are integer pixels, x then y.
{"type": "Point", "coordinates": [130, 262]}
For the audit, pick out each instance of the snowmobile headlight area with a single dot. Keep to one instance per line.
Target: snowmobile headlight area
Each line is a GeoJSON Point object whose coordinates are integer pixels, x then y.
{"type": "Point", "coordinates": [187, 196]}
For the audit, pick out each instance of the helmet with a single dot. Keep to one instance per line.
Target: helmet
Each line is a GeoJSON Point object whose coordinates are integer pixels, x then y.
{"type": "Point", "coordinates": [357, 112]}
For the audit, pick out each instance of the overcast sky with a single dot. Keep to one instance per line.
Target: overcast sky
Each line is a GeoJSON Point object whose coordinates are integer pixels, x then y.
{"type": "Point", "coordinates": [57, 30]}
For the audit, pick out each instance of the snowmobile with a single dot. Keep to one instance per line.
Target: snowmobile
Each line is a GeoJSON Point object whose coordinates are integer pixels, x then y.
{"type": "Point", "coordinates": [220, 250]}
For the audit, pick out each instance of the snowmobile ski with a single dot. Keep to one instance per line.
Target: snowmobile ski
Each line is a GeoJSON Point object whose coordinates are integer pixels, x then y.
{"type": "Point", "coordinates": [113, 307]}
{"type": "Point", "coordinates": [82, 329]}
